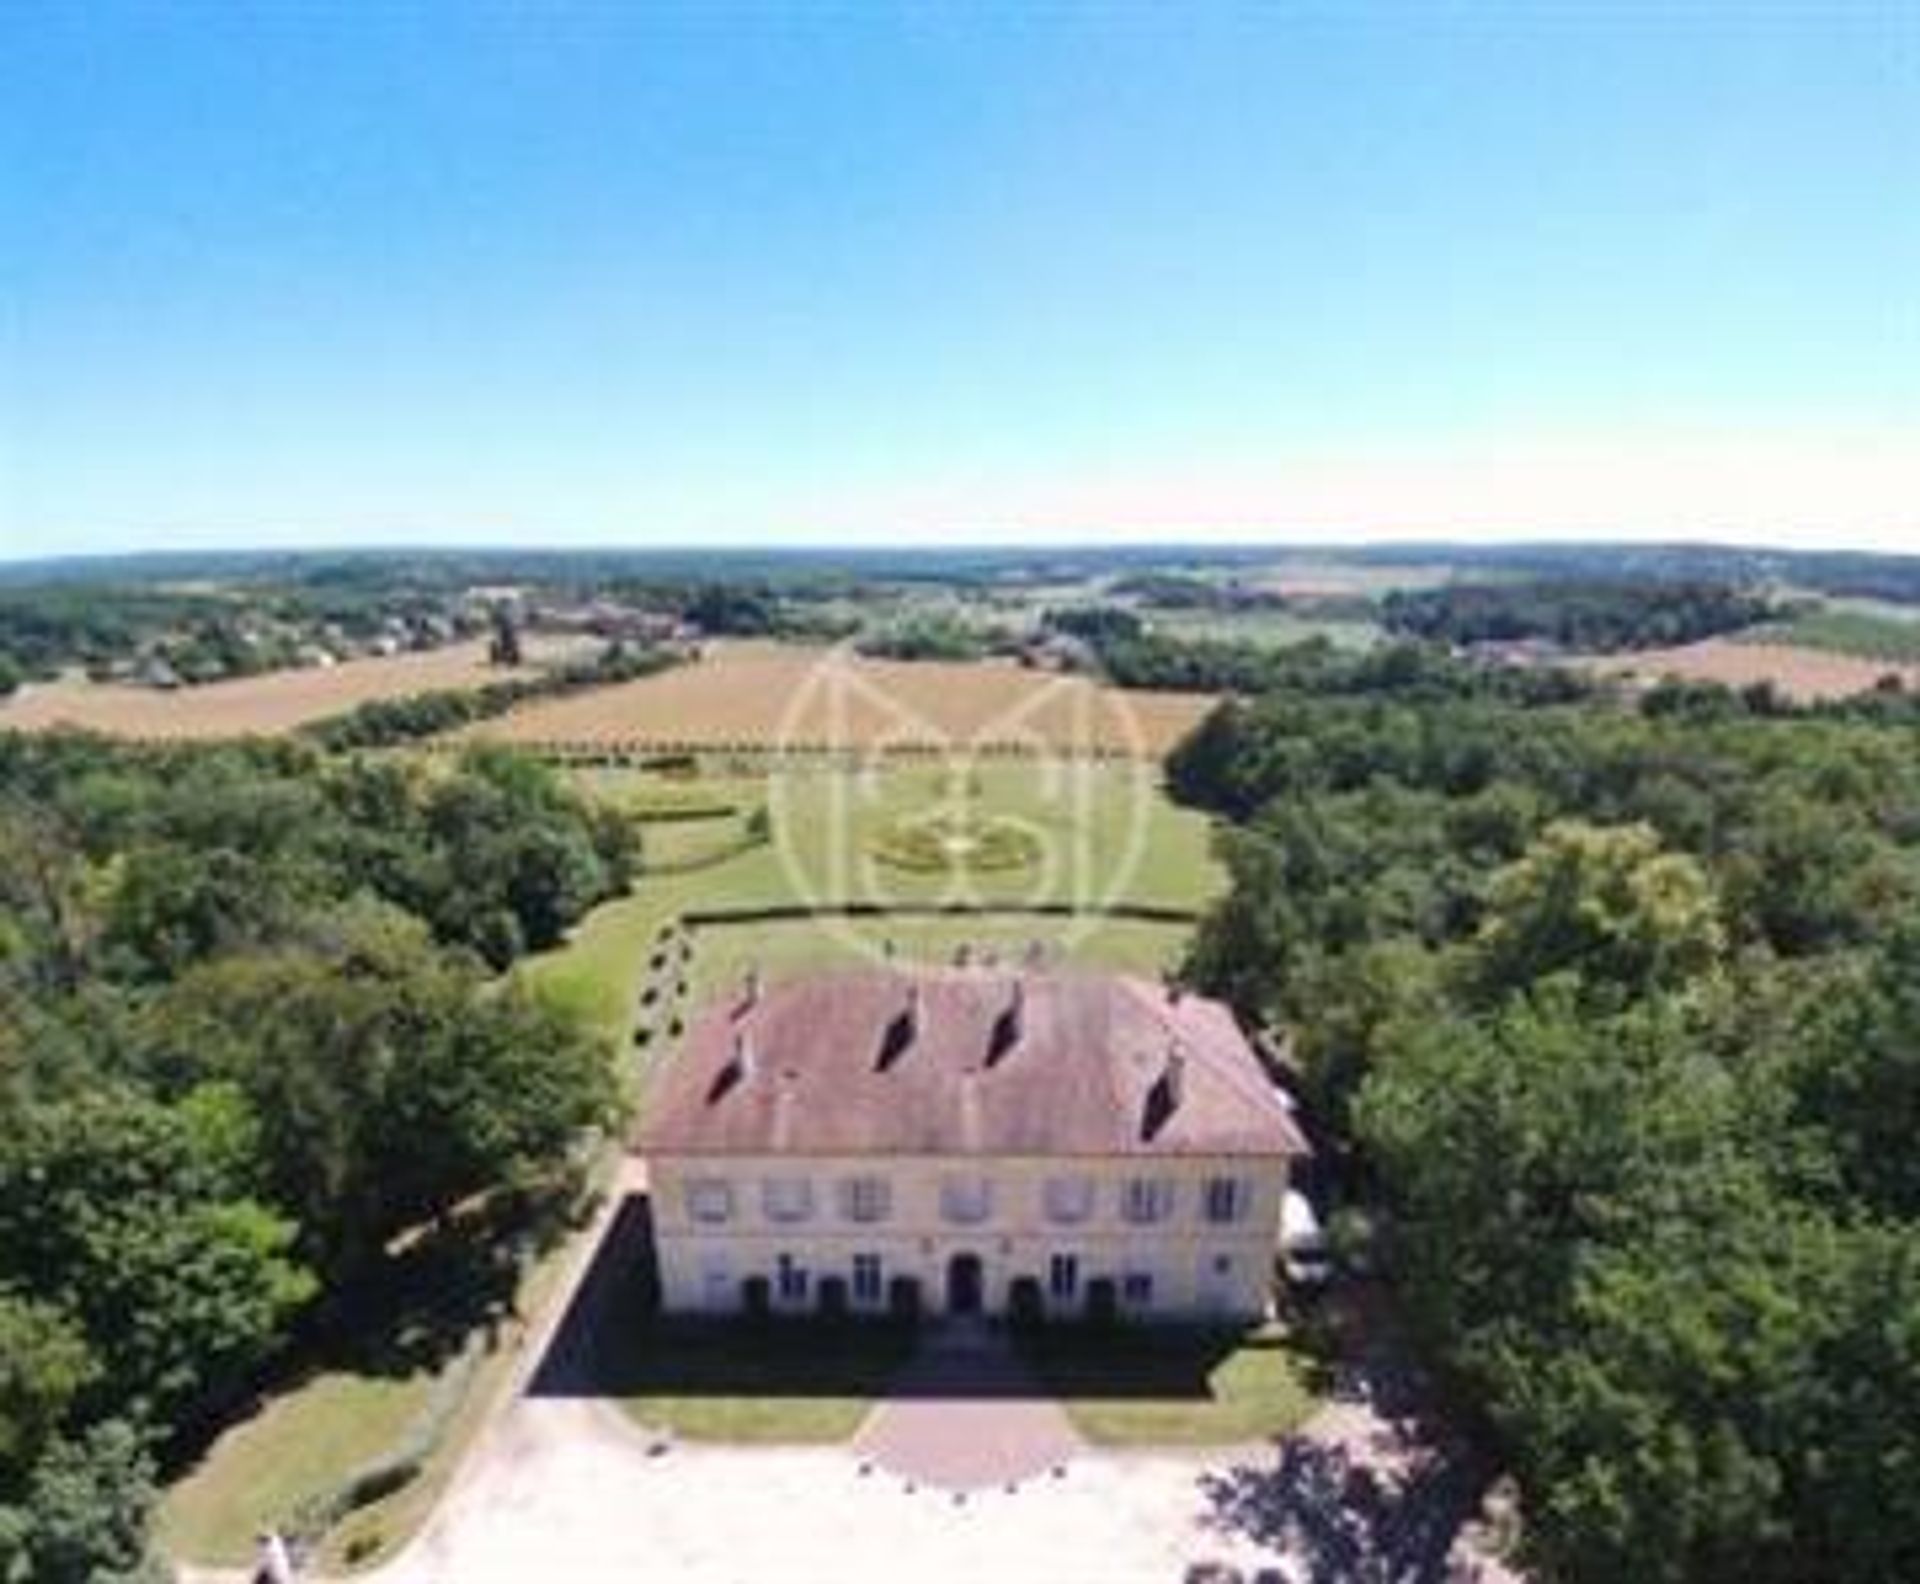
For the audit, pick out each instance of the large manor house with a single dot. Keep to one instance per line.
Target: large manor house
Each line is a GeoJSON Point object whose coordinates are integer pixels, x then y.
{"type": "Point", "coordinates": [968, 1139]}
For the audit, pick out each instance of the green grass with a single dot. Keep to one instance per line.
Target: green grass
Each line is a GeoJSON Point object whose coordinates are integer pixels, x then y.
{"type": "Point", "coordinates": [776, 1384]}
{"type": "Point", "coordinates": [785, 948]}
{"type": "Point", "coordinates": [1845, 631]}
{"type": "Point", "coordinates": [315, 1429]}
{"type": "Point", "coordinates": [300, 1442]}
{"type": "Point", "coordinates": [1111, 835]}
{"type": "Point", "coordinates": [1155, 1387]}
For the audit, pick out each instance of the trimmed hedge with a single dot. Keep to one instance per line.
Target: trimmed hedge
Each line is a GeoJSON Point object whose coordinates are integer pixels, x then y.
{"type": "Point", "coordinates": [784, 912]}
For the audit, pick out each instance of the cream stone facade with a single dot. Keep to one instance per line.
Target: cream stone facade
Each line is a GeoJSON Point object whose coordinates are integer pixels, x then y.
{"type": "Point", "coordinates": [1178, 1239]}
{"type": "Point", "coordinates": [957, 1141]}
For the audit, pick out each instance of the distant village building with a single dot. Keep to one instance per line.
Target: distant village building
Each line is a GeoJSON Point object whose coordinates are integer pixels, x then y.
{"type": "Point", "coordinates": [156, 671]}
{"type": "Point", "coordinates": [968, 1139]}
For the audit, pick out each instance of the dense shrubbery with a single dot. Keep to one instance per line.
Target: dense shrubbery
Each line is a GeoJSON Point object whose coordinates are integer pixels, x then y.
{"type": "Point", "coordinates": [1594, 616]}
{"type": "Point", "coordinates": [249, 1033]}
{"type": "Point", "coordinates": [1616, 1015]}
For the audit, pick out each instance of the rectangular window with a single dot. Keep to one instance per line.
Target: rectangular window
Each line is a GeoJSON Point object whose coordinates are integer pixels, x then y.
{"type": "Point", "coordinates": [865, 1199]}
{"type": "Point", "coordinates": [709, 1200]}
{"type": "Point", "coordinates": [1136, 1288]}
{"type": "Point", "coordinates": [1063, 1277]}
{"type": "Point", "coordinates": [790, 1278]}
{"type": "Point", "coordinates": [786, 1198]}
{"type": "Point", "coordinates": [1068, 1199]}
{"type": "Point", "coordinates": [1146, 1199]}
{"type": "Point", "coordinates": [866, 1278]}
{"type": "Point", "coordinates": [1226, 1200]}
{"type": "Point", "coordinates": [967, 1200]}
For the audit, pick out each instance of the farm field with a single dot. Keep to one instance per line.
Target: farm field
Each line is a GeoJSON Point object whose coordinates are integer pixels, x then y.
{"type": "Point", "coordinates": [270, 704]}
{"type": "Point", "coordinates": [753, 695]}
{"type": "Point", "coordinates": [1799, 672]}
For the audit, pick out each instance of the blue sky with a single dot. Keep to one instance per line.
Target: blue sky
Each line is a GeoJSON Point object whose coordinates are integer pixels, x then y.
{"type": "Point", "coordinates": [620, 274]}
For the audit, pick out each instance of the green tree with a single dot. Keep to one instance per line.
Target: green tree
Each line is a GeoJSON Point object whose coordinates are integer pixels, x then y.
{"type": "Point", "coordinates": [85, 1514]}
{"type": "Point", "coordinates": [388, 1082]}
{"type": "Point", "coordinates": [44, 1366]}
{"type": "Point", "coordinates": [1607, 903]}
{"type": "Point", "coordinates": [110, 1210]}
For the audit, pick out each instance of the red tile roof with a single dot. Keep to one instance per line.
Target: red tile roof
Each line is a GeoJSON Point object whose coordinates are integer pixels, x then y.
{"type": "Point", "coordinates": [986, 1062]}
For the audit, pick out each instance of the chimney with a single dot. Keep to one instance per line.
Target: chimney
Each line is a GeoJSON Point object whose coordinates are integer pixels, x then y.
{"type": "Point", "coordinates": [911, 1011]}
{"type": "Point", "coordinates": [744, 1059]}
{"type": "Point", "coordinates": [749, 990]}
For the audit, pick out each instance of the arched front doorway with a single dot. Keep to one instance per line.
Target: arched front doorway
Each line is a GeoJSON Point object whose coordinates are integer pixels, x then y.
{"type": "Point", "coordinates": [963, 1284]}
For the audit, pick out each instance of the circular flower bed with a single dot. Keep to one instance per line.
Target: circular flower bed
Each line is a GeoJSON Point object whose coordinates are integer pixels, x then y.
{"type": "Point", "coordinates": [947, 842]}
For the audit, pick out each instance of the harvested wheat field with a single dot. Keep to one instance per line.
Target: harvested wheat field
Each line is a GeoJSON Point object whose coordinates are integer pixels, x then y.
{"type": "Point", "coordinates": [1805, 674]}
{"type": "Point", "coordinates": [247, 706]}
{"type": "Point", "coordinates": [753, 696]}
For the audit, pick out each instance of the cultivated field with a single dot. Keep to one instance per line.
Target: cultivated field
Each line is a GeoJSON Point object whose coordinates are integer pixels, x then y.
{"type": "Point", "coordinates": [750, 696]}
{"type": "Point", "coordinates": [1800, 673]}
{"type": "Point", "coordinates": [266, 705]}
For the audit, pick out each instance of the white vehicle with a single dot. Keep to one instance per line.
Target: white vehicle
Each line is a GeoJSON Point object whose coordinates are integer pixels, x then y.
{"type": "Point", "coordinates": [1305, 1258]}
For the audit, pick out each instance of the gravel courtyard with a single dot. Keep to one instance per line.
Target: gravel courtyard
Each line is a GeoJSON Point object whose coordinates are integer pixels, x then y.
{"type": "Point", "coordinates": [567, 1490]}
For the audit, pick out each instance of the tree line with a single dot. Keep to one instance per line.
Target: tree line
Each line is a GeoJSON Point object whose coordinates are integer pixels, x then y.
{"type": "Point", "coordinates": [252, 1041]}
{"type": "Point", "coordinates": [1610, 1018]}
{"type": "Point", "coordinates": [1590, 615]}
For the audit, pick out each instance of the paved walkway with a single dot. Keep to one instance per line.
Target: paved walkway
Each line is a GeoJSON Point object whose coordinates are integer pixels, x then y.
{"type": "Point", "coordinates": [966, 1415]}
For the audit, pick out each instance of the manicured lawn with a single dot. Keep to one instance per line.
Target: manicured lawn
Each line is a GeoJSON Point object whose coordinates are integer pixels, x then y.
{"type": "Point", "coordinates": [771, 1384]}
{"type": "Point", "coordinates": [1108, 835]}
{"type": "Point", "coordinates": [1105, 833]}
{"type": "Point", "coordinates": [1176, 1388]}
{"type": "Point", "coordinates": [784, 948]}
